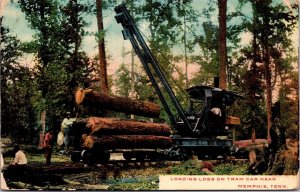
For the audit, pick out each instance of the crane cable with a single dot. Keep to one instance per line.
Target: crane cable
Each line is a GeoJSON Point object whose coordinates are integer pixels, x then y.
{"type": "Point", "coordinates": [169, 76]}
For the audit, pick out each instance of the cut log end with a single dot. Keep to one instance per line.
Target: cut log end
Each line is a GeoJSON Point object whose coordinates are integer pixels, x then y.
{"type": "Point", "coordinates": [88, 141]}
{"type": "Point", "coordinates": [80, 94]}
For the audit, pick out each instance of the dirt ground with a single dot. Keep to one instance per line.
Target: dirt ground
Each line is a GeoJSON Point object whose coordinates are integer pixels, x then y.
{"type": "Point", "coordinates": [93, 177]}
{"type": "Point", "coordinates": [119, 174]}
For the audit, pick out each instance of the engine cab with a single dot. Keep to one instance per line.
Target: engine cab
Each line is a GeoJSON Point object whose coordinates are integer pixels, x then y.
{"type": "Point", "coordinates": [207, 112]}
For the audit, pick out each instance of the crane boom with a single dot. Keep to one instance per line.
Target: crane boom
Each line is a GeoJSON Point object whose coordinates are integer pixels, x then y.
{"type": "Point", "coordinates": [131, 32]}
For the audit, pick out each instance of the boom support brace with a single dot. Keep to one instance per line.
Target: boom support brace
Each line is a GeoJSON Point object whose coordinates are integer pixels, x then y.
{"type": "Point", "coordinates": [131, 32]}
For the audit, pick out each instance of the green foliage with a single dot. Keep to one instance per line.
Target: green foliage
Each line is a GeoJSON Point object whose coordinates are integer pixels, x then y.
{"type": "Point", "coordinates": [123, 81]}
{"type": "Point", "coordinates": [135, 184]}
{"type": "Point", "coordinates": [188, 168]}
{"type": "Point", "coordinates": [207, 58]}
{"type": "Point", "coordinates": [208, 40]}
{"type": "Point", "coordinates": [270, 27]}
{"type": "Point", "coordinates": [62, 66]}
{"type": "Point", "coordinates": [100, 34]}
{"type": "Point", "coordinates": [231, 169]}
{"type": "Point", "coordinates": [17, 89]}
{"type": "Point", "coordinates": [289, 105]}
{"type": "Point", "coordinates": [29, 47]}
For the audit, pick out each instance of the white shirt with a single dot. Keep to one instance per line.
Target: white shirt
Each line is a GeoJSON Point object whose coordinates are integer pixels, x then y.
{"type": "Point", "coordinates": [20, 158]}
{"type": "Point", "coordinates": [216, 111]}
{"type": "Point", "coordinates": [67, 122]}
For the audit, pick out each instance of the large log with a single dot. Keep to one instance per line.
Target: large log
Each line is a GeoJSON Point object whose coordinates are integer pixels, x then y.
{"type": "Point", "coordinates": [114, 126]}
{"type": "Point", "coordinates": [127, 142]}
{"type": "Point", "coordinates": [116, 103]}
{"type": "Point", "coordinates": [38, 174]}
{"type": "Point", "coordinates": [54, 168]}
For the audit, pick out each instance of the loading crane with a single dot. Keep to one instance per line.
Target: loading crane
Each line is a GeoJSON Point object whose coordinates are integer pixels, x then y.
{"type": "Point", "coordinates": [204, 128]}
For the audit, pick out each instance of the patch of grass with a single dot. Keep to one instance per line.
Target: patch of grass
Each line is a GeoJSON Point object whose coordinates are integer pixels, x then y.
{"type": "Point", "coordinates": [188, 168]}
{"type": "Point", "coordinates": [150, 181]}
{"type": "Point", "coordinates": [40, 158]}
{"type": "Point", "coordinates": [135, 184]}
{"type": "Point", "coordinates": [231, 169]}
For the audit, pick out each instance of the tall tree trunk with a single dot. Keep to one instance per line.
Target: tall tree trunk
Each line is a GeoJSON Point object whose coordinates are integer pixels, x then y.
{"type": "Point", "coordinates": [77, 42]}
{"type": "Point", "coordinates": [222, 42]}
{"type": "Point", "coordinates": [43, 52]}
{"type": "Point", "coordinates": [268, 76]}
{"type": "Point", "coordinates": [102, 58]}
{"type": "Point", "coordinates": [185, 54]}
{"type": "Point", "coordinates": [254, 68]}
{"type": "Point", "coordinates": [268, 91]}
{"type": "Point", "coordinates": [132, 88]}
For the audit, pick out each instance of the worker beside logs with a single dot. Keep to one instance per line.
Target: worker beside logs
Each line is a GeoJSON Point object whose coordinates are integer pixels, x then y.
{"type": "Point", "coordinates": [66, 126]}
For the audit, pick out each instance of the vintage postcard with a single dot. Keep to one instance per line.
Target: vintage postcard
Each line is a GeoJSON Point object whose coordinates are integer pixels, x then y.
{"type": "Point", "coordinates": [149, 95]}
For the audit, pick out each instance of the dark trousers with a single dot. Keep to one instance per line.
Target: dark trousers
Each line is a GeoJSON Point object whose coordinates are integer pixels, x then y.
{"type": "Point", "coordinates": [15, 172]}
{"type": "Point", "coordinates": [66, 137]}
{"type": "Point", "coordinates": [48, 154]}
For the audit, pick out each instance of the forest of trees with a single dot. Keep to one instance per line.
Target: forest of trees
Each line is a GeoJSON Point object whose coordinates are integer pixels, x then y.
{"type": "Point", "coordinates": [264, 69]}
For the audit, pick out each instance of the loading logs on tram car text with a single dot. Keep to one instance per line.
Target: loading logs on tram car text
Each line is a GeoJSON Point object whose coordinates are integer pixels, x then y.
{"type": "Point", "coordinates": [227, 182]}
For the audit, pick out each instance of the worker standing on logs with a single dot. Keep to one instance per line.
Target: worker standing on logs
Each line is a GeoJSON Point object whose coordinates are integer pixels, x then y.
{"type": "Point", "coordinates": [66, 126]}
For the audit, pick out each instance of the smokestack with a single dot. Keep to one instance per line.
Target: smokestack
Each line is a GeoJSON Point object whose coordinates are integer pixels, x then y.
{"type": "Point", "coordinates": [216, 82]}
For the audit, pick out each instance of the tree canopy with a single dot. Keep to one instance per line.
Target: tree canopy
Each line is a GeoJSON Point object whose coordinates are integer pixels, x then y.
{"type": "Point", "coordinates": [184, 38]}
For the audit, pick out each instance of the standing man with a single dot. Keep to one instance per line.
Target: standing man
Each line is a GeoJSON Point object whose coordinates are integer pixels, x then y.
{"type": "Point", "coordinates": [47, 146]}
{"type": "Point", "coordinates": [65, 128]}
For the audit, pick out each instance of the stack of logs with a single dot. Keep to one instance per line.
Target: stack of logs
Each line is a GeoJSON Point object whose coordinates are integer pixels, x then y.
{"type": "Point", "coordinates": [113, 133]}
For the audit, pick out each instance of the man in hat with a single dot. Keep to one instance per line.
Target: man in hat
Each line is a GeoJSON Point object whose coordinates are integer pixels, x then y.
{"type": "Point", "coordinates": [66, 127]}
